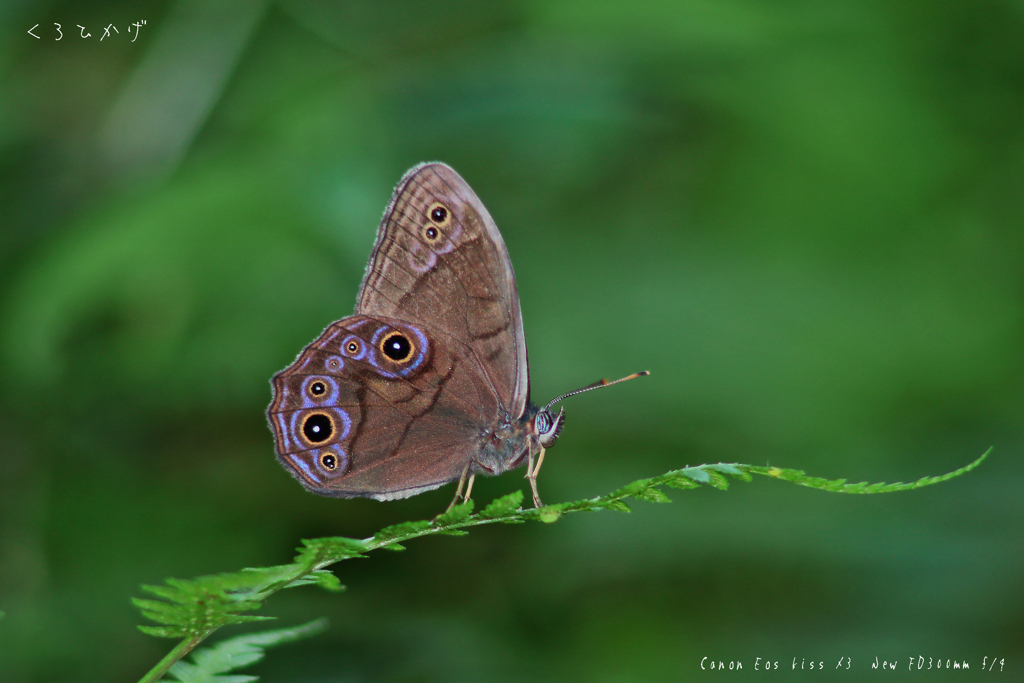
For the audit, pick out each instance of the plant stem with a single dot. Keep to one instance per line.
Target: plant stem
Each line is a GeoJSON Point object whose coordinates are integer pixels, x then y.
{"type": "Point", "coordinates": [165, 664]}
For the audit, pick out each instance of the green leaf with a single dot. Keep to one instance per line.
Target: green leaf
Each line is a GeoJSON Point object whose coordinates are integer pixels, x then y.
{"type": "Point", "coordinates": [403, 530]}
{"type": "Point", "coordinates": [204, 604]}
{"type": "Point", "coordinates": [839, 485]}
{"type": "Point", "coordinates": [321, 577]}
{"type": "Point", "coordinates": [500, 507]}
{"type": "Point", "coordinates": [629, 489]}
{"type": "Point", "coordinates": [732, 470]}
{"type": "Point", "coordinates": [458, 513]}
{"type": "Point", "coordinates": [717, 480]}
{"type": "Point", "coordinates": [161, 631]}
{"type": "Point", "coordinates": [617, 505]}
{"type": "Point", "coordinates": [654, 495]}
{"type": "Point", "coordinates": [698, 474]}
{"type": "Point", "coordinates": [321, 551]}
{"type": "Point", "coordinates": [235, 653]}
{"type": "Point", "coordinates": [678, 481]}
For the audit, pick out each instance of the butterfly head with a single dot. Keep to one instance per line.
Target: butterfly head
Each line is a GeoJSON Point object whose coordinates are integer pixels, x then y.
{"type": "Point", "coordinates": [547, 425]}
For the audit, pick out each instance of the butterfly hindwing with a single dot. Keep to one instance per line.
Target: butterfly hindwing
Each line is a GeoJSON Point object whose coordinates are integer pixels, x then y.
{"type": "Point", "coordinates": [379, 407]}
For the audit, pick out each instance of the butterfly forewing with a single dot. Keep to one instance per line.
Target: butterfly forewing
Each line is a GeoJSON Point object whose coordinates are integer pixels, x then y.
{"type": "Point", "coordinates": [440, 260]}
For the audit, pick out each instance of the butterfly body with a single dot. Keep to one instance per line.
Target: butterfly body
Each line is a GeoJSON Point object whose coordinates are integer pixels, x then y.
{"type": "Point", "coordinates": [429, 380]}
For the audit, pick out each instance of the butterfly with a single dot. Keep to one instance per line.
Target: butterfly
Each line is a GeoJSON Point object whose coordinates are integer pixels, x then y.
{"type": "Point", "coordinates": [428, 381]}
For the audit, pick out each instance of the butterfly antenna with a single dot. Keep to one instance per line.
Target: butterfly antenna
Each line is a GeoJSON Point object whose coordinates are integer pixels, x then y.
{"type": "Point", "coordinates": [596, 385]}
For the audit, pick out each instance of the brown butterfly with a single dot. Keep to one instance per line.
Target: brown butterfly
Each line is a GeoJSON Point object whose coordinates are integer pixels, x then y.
{"type": "Point", "coordinates": [428, 382]}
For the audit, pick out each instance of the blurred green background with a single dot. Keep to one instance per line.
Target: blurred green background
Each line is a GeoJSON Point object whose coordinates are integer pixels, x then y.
{"type": "Point", "coordinates": [806, 219]}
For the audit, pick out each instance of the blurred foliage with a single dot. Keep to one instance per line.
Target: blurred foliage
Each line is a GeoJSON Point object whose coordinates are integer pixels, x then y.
{"type": "Point", "coordinates": [805, 219]}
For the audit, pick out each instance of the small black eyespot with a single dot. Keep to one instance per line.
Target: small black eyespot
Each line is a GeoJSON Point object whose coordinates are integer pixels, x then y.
{"type": "Point", "coordinates": [397, 347]}
{"type": "Point", "coordinates": [438, 214]}
{"type": "Point", "coordinates": [317, 428]}
{"type": "Point", "coordinates": [431, 233]}
{"type": "Point", "coordinates": [329, 461]}
{"type": "Point", "coordinates": [317, 388]}
{"type": "Point", "coordinates": [352, 347]}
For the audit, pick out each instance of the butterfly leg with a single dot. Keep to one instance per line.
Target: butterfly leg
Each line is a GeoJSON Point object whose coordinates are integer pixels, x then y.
{"type": "Point", "coordinates": [531, 474]}
{"type": "Point", "coordinates": [469, 486]}
{"type": "Point", "coordinates": [540, 461]}
{"type": "Point", "coordinates": [462, 483]}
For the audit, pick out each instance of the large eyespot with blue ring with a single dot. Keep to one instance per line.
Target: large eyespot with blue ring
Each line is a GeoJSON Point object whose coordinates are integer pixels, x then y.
{"type": "Point", "coordinates": [397, 347]}
{"type": "Point", "coordinates": [318, 427]}
{"type": "Point", "coordinates": [401, 350]}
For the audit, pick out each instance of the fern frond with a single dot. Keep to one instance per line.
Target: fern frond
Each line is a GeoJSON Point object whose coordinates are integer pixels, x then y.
{"type": "Point", "coordinates": [209, 663]}
{"type": "Point", "coordinates": [193, 609]}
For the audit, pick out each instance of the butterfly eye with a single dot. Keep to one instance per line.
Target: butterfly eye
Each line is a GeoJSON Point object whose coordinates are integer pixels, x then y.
{"type": "Point", "coordinates": [548, 426]}
{"type": "Point", "coordinates": [317, 389]}
{"type": "Point", "coordinates": [397, 347]}
{"type": "Point", "coordinates": [329, 461]}
{"type": "Point", "coordinates": [317, 428]}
